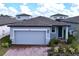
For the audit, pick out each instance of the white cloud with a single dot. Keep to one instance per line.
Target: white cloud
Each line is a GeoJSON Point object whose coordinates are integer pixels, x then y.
{"type": "Point", "coordinates": [7, 11]}
{"type": "Point", "coordinates": [45, 9]}
{"type": "Point", "coordinates": [53, 8]}
{"type": "Point", "coordinates": [49, 9]}
{"type": "Point", "coordinates": [25, 9]}
{"type": "Point", "coordinates": [75, 10]}
{"type": "Point", "coordinates": [2, 6]}
{"type": "Point", "coordinates": [3, 9]}
{"type": "Point", "coordinates": [12, 11]}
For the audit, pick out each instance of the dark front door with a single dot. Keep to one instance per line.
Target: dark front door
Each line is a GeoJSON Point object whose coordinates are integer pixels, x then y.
{"type": "Point", "coordinates": [60, 31]}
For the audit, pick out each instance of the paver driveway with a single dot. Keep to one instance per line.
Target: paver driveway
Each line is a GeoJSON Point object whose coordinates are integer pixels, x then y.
{"type": "Point", "coordinates": [27, 51]}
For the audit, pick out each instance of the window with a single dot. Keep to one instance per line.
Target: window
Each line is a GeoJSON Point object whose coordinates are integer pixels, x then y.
{"type": "Point", "coordinates": [53, 29]}
{"type": "Point", "coordinates": [58, 17]}
{"type": "Point", "coordinates": [61, 17]}
{"type": "Point", "coordinates": [18, 16]}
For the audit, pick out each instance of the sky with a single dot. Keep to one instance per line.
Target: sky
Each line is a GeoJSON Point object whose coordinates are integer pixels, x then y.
{"type": "Point", "coordinates": [47, 8]}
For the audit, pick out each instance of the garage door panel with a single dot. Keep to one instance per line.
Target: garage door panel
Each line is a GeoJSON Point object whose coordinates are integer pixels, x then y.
{"type": "Point", "coordinates": [30, 37]}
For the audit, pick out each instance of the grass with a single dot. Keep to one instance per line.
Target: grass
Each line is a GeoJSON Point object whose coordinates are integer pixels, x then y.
{"type": "Point", "coordinates": [2, 49]}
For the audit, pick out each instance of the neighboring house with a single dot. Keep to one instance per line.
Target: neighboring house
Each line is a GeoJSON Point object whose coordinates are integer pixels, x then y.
{"type": "Point", "coordinates": [4, 21]}
{"type": "Point", "coordinates": [74, 22]}
{"type": "Point", "coordinates": [37, 31]}
{"type": "Point", "coordinates": [23, 17]}
{"type": "Point", "coordinates": [59, 17]}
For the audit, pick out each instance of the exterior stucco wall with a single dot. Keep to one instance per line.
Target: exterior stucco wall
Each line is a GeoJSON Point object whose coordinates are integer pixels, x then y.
{"type": "Point", "coordinates": [75, 28]}
{"type": "Point", "coordinates": [54, 34]}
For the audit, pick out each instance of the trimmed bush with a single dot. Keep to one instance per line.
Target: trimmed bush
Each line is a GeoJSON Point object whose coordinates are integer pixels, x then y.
{"type": "Point", "coordinates": [5, 41]}
{"type": "Point", "coordinates": [53, 42]}
{"type": "Point", "coordinates": [71, 39]}
{"type": "Point", "coordinates": [5, 45]}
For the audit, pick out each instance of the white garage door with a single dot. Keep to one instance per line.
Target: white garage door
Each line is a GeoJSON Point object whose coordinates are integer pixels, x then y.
{"type": "Point", "coordinates": [30, 37]}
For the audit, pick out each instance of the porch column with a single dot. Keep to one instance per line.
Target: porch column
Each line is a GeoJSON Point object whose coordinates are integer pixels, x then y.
{"type": "Point", "coordinates": [66, 36]}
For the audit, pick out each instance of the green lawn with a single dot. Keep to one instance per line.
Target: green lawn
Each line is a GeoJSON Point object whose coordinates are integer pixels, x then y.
{"type": "Point", "coordinates": [3, 50]}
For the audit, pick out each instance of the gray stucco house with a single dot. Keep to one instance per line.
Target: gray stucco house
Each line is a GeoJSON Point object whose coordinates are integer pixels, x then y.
{"type": "Point", "coordinates": [73, 21]}
{"type": "Point", "coordinates": [23, 16]}
{"type": "Point", "coordinates": [74, 28]}
{"type": "Point", "coordinates": [59, 17]}
{"type": "Point", "coordinates": [37, 31]}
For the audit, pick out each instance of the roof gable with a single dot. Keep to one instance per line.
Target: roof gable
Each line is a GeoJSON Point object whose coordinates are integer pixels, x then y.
{"type": "Point", "coordinates": [59, 15]}
{"type": "Point", "coordinates": [72, 19]}
{"type": "Point", "coordinates": [23, 15]}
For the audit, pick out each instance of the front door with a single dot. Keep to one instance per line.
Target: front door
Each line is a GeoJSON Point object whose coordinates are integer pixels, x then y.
{"type": "Point", "coordinates": [60, 31]}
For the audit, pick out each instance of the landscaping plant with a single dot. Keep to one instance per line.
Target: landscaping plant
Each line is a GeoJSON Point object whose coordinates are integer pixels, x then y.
{"type": "Point", "coordinates": [53, 42]}
{"type": "Point", "coordinates": [71, 39]}
{"type": "Point", "coordinates": [71, 48]}
{"type": "Point", "coordinates": [6, 42]}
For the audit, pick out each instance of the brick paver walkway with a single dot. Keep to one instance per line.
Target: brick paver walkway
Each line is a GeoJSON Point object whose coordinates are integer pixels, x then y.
{"type": "Point", "coordinates": [27, 51]}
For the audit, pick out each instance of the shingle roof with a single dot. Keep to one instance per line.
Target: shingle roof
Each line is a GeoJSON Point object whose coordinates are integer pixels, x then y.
{"type": "Point", "coordinates": [23, 15]}
{"type": "Point", "coordinates": [72, 19]}
{"type": "Point", "coordinates": [4, 20]}
{"type": "Point", "coordinates": [59, 15]}
{"type": "Point", "coordinates": [39, 21]}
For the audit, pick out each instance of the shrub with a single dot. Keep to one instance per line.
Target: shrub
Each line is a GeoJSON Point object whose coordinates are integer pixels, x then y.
{"type": "Point", "coordinates": [72, 50]}
{"type": "Point", "coordinates": [75, 45]}
{"type": "Point", "coordinates": [5, 41]}
{"type": "Point", "coordinates": [5, 45]}
{"type": "Point", "coordinates": [53, 42]}
{"type": "Point", "coordinates": [71, 39]}
{"type": "Point", "coordinates": [56, 49]}
{"type": "Point", "coordinates": [65, 49]}
{"type": "Point", "coordinates": [60, 48]}
{"type": "Point", "coordinates": [77, 49]}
